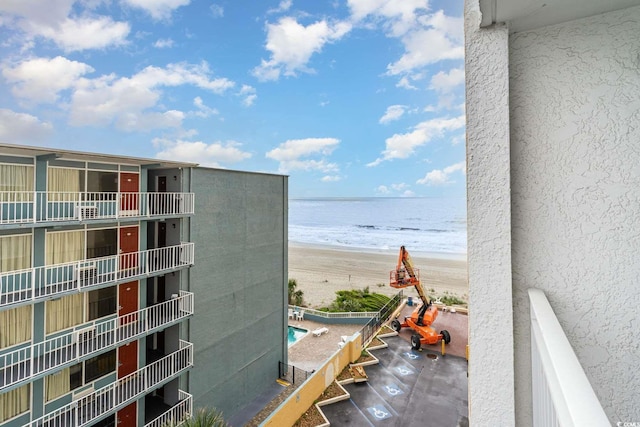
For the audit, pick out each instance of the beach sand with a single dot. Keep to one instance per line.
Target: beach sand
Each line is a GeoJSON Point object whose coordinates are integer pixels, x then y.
{"type": "Point", "coordinates": [320, 271]}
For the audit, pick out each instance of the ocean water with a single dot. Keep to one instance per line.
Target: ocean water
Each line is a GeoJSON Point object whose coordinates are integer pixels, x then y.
{"type": "Point", "coordinates": [429, 225]}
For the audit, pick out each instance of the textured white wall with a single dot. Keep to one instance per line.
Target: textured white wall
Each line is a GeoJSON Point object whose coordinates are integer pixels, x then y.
{"type": "Point", "coordinates": [491, 377]}
{"type": "Point", "coordinates": [575, 170]}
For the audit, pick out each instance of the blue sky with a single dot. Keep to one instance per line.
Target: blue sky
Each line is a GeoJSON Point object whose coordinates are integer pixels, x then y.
{"type": "Point", "coordinates": [347, 97]}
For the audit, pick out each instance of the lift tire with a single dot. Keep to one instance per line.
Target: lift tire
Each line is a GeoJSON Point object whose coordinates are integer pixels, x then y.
{"type": "Point", "coordinates": [395, 325]}
{"type": "Point", "coordinates": [415, 341]}
{"type": "Point", "coordinates": [446, 337]}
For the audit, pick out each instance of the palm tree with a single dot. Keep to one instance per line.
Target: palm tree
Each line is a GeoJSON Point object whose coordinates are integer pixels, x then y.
{"type": "Point", "coordinates": [295, 297]}
{"type": "Point", "coordinates": [204, 417]}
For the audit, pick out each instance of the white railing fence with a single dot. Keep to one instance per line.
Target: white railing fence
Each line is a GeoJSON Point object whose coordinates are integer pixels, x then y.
{"type": "Point", "coordinates": [46, 281]}
{"type": "Point", "coordinates": [45, 206]}
{"type": "Point", "coordinates": [339, 315]}
{"type": "Point", "coordinates": [112, 397]}
{"type": "Point", "coordinates": [90, 339]}
{"type": "Point", "coordinates": [175, 416]}
{"type": "Point", "coordinates": [562, 394]}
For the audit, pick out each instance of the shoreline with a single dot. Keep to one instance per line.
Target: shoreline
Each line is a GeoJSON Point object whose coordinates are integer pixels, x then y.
{"type": "Point", "coordinates": [321, 270]}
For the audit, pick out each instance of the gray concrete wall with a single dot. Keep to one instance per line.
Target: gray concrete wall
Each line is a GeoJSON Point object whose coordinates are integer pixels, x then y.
{"type": "Point", "coordinates": [575, 110]}
{"type": "Point", "coordinates": [491, 400]}
{"type": "Point", "coordinates": [240, 286]}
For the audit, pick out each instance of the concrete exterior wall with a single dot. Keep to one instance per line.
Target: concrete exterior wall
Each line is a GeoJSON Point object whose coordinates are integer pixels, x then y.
{"type": "Point", "coordinates": [488, 223]}
{"type": "Point", "coordinates": [575, 168]}
{"type": "Point", "coordinates": [239, 279]}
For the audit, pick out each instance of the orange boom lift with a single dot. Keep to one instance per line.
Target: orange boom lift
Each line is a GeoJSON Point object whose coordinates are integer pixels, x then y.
{"type": "Point", "coordinates": [423, 316]}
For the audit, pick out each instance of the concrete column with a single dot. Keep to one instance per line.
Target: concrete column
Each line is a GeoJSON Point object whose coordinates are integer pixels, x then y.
{"type": "Point", "coordinates": [491, 368]}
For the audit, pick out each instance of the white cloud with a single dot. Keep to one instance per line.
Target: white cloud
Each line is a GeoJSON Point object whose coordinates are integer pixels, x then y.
{"type": "Point", "coordinates": [401, 146]}
{"type": "Point", "coordinates": [249, 95]}
{"type": "Point", "coordinates": [18, 128]}
{"type": "Point", "coordinates": [442, 176]}
{"type": "Point", "coordinates": [446, 82]}
{"type": "Point", "coordinates": [127, 101]}
{"type": "Point", "coordinates": [158, 9]}
{"type": "Point", "coordinates": [425, 47]}
{"type": "Point", "coordinates": [290, 153]}
{"type": "Point", "coordinates": [217, 11]}
{"type": "Point", "coordinates": [282, 7]}
{"type": "Point", "coordinates": [331, 178]}
{"type": "Point", "coordinates": [163, 43]}
{"type": "Point", "coordinates": [405, 83]}
{"type": "Point", "coordinates": [87, 33]}
{"type": "Point", "coordinates": [203, 110]}
{"type": "Point", "coordinates": [292, 44]}
{"type": "Point", "coordinates": [40, 80]}
{"type": "Point", "coordinates": [394, 112]}
{"type": "Point", "coordinates": [383, 189]}
{"type": "Point", "coordinates": [398, 16]}
{"type": "Point", "coordinates": [213, 155]}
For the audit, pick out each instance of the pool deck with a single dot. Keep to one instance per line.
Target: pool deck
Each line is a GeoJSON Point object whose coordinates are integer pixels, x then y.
{"type": "Point", "coordinates": [310, 352]}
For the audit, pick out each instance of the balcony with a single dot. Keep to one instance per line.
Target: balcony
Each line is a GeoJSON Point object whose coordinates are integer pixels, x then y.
{"type": "Point", "coordinates": [42, 207]}
{"type": "Point", "coordinates": [177, 413]}
{"type": "Point", "coordinates": [562, 394]}
{"type": "Point", "coordinates": [89, 340]}
{"type": "Point", "coordinates": [53, 281]}
{"type": "Point", "coordinates": [109, 399]}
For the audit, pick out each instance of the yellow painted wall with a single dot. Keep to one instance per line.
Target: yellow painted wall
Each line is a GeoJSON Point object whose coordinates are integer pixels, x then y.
{"type": "Point", "coordinates": [297, 404]}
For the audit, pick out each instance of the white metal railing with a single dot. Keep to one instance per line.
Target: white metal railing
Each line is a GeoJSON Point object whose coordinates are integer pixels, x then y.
{"type": "Point", "coordinates": [341, 315]}
{"type": "Point", "coordinates": [177, 414]}
{"type": "Point", "coordinates": [562, 394]}
{"type": "Point", "coordinates": [52, 280]}
{"type": "Point", "coordinates": [49, 206]}
{"type": "Point", "coordinates": [110, 398]}
{"type": "Point", "coordinates": [89, 339]}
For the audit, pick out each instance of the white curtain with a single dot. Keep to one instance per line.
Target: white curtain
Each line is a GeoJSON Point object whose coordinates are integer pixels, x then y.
{"type": "Point", "coordinates": [58, 384]}
{"type": "Point", "coordinates": [59, 181]}
{"type": "Point", "coordinates": [64, 246]}
{"type": "Point", "coordinates": [65, 312]}
{"type": "Point", "coordinates": [15, 326]}
{"type": "Point", "coordinates": [15, 252]}
{"type": "Point", "coordinates": [14, 402]}
{"type": "Point", "coordinates": [16, 178]}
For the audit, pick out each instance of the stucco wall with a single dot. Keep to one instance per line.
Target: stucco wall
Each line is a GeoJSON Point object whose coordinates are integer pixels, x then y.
{"type": "Point", "coordinates": [239, 282]}
{"type": "Point", "coordinates": [488, 223]}
{"type": "Point", "coordinates": [575, 168]}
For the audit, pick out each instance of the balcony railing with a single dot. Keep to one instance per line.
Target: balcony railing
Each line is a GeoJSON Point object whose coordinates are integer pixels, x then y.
{"type": "Point", "coordinates": [562, 394]}
{"type": "Point", "coordinates": [89, 340]}
{"type": "Point", "coordinates": [115, 396]}
{"type": "Point", "coordinates": [175, 416]}
{"type": "Point", "coordinates": [18, 207]}
{"type": "Point", "coordinates": [59, 279]}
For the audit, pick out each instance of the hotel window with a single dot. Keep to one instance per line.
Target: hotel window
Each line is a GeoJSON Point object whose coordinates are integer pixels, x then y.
{"type": "Point", "coordinates": [102, 302]}
{"type": "Point", "coordinates": [15, 326]}
{"type": "Point", "coordinates": [79, 375]}
{"type": "Point", "coordinates": [14, 180]}
{"type": "Point", "coordinates": [15, 252]}
{"type": "Point", "coordinates": [102, 182]}
{"type": "Point", "coordinates": [101, 243]}
{"type": "Point", "coordinates": [63, 184]}
{"type": "Point", "coordinates": [14, 402]}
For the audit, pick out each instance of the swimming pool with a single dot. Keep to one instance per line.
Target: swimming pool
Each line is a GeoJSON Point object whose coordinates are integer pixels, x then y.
{"type": "Point", "coordinates": [295, 334]}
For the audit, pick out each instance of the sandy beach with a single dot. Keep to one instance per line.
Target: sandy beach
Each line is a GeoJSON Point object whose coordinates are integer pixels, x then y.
{"type": "Point", "coordinates": [320, 271]}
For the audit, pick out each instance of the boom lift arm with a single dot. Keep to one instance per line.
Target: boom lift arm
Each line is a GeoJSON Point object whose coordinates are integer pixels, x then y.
{"type": "Point", "coordinates": [420, 321]}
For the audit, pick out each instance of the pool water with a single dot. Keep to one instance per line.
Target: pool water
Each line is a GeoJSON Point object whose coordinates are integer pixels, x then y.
{"type": "Point", "coordinates": [295, 334]}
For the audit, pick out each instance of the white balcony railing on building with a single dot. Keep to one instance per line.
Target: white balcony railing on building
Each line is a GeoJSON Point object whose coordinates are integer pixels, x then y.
{"type": "Point", "coordinates": [56, 280]}
{"type": "Point", "coordinates": [562, 394]}
{"type": "Point", "coordinates": [177, 414]}
{"type": "Point", "coordinates": [18, 207]}
{"type": "Point", "coordinates": [109, 399]}
{"type": "Point", "coordinates": [90, 339]}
